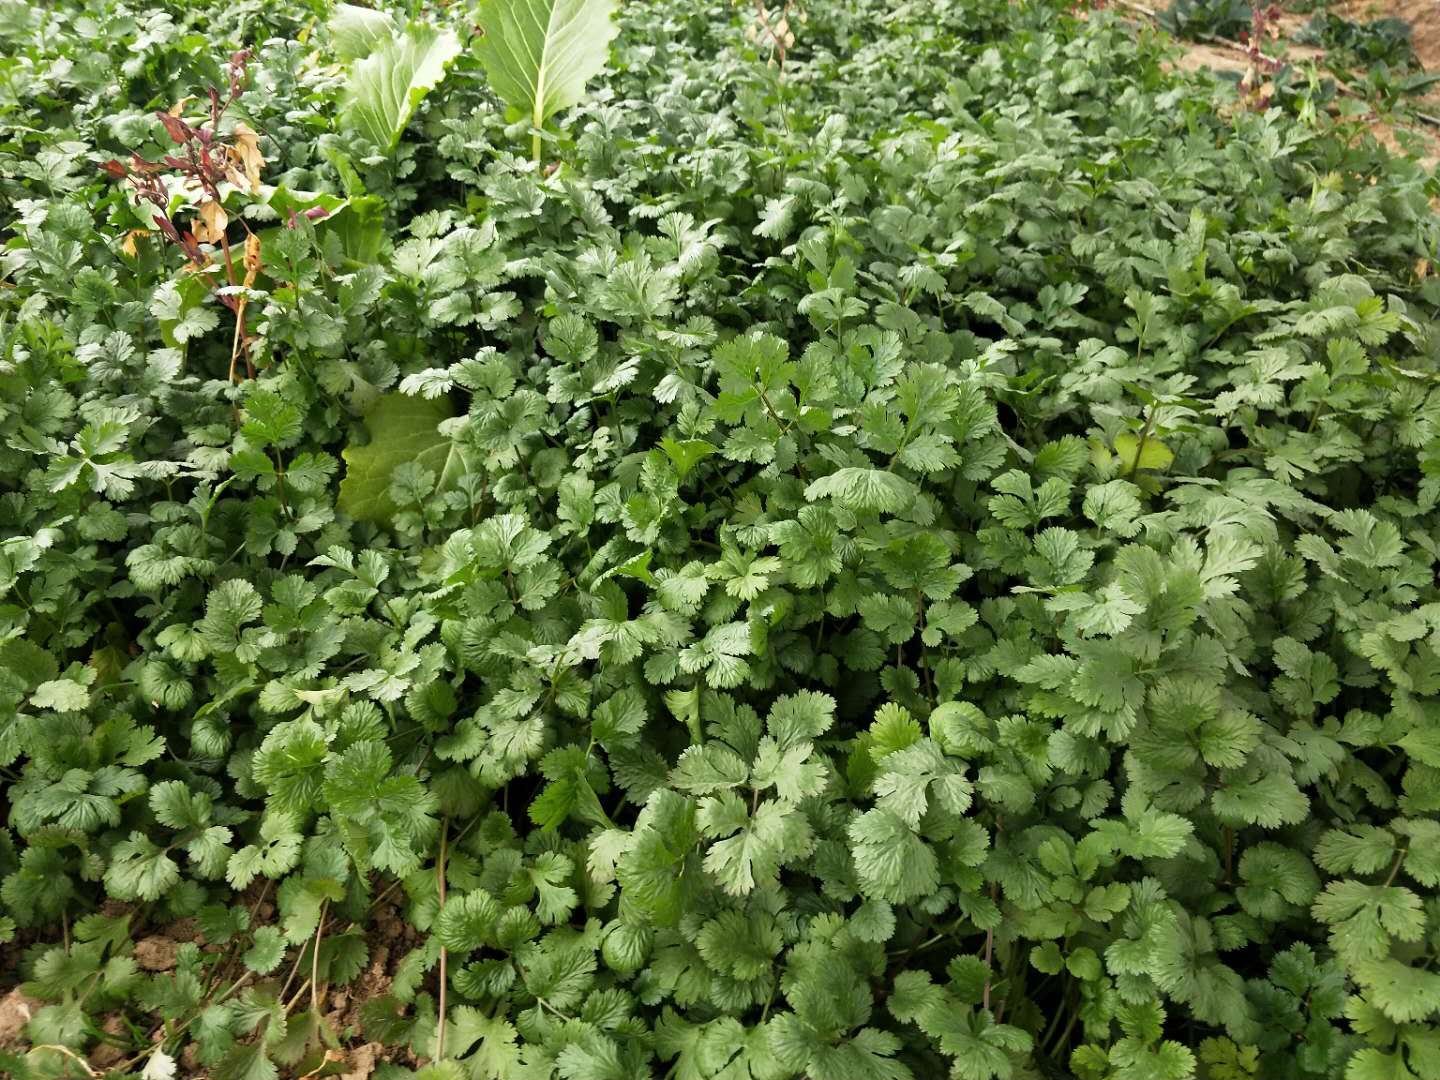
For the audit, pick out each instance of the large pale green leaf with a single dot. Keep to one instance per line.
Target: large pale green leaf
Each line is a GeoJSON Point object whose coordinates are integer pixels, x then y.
{"type": "Point", "coordinates": [387, 85]}
{"type": "Point", "coordinates": [357, 220]}
{"type": "Point", "coordinates": [540, 53]}
{"type": "Point", "coordinates": [402, 429]}
{"type": "Point", "coordinates": [358, 31]}
{"type": "Point", "coordinates": [361, 229]}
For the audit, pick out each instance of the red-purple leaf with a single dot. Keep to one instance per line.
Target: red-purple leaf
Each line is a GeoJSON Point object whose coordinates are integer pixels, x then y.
{"type": "Point", "coordinates": [177, 129]}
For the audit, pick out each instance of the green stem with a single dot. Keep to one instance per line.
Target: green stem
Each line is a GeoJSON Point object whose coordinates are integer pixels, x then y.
{"type": "Point", "coordinates": [1395, 867]}
{"type": "Point", "coordinates": [440, 890]}
{"type": "Point", "coordinates": [1065, 1035]}
{"type": "Point", "coordinates": [1054, 1025]}
{"type": "Point", "coordinates": [1140, 446]}
{"type": "Point", "coordinates": [315, 961]}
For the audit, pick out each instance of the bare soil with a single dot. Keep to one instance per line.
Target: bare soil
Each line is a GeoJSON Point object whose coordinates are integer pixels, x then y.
{"type": "Point", "coordinates": [16, 1009]}
{"type": "Point", "coordinates": [156, 953]}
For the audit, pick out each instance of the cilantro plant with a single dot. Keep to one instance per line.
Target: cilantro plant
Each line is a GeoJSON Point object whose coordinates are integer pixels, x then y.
{"type": "Point", "coordinates": [839, 542]}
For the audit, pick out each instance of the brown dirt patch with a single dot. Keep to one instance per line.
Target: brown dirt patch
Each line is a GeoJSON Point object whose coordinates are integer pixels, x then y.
{"type": "Point", "coordinates": [1201, 57]}
{"type": "Point", "coordinates": [363, 1059]}
{"type": "Point", "coordinates": [107, 1055]}
{"type": "Point", "coordinates": [184, 930]}
{"type": "Point", "coordinates": [372, 983]}
{"type": "Point", "coordinates": [389, 937]}
{"type": "Point", "coordinates": [156, 953]}
{"type": "Point", "coordinates": [16, 1009]}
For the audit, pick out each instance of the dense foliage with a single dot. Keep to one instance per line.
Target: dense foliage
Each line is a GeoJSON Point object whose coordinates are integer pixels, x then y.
{"type": "Point", "coordinates": [1380, 41]}
{"type": "Point", "coordinates": [886, 541]}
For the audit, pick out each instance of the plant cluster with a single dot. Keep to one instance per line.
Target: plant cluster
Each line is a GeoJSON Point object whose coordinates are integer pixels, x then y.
{"type": "Point", "coordinates": [923, 566]}
{"type": "Point", "coordinates": [1199, 19]}
{"type": "Point", "coordinates": [1386, 41]}
{"type": "Point", "coordinates": [1375, 58]}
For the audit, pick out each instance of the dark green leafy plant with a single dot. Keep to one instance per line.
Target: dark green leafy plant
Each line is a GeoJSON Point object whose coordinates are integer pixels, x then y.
{"type": "Point", "coordinates": [921, 568]}
{"type": "Point", "coordinates": [1380, 41]}
{"type": "Point", "coordinates": [1207, 18]}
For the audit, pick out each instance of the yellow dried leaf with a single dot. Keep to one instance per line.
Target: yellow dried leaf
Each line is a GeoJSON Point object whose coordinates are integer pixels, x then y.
{"type": "Point", "coordinates": [251, 258]}
{"type": "Point", "coordinates": [179, 106]}
{"type": "Point", "coordinates": [210, 223]}
{"type": "Point", "coordinates": [246, 154]}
